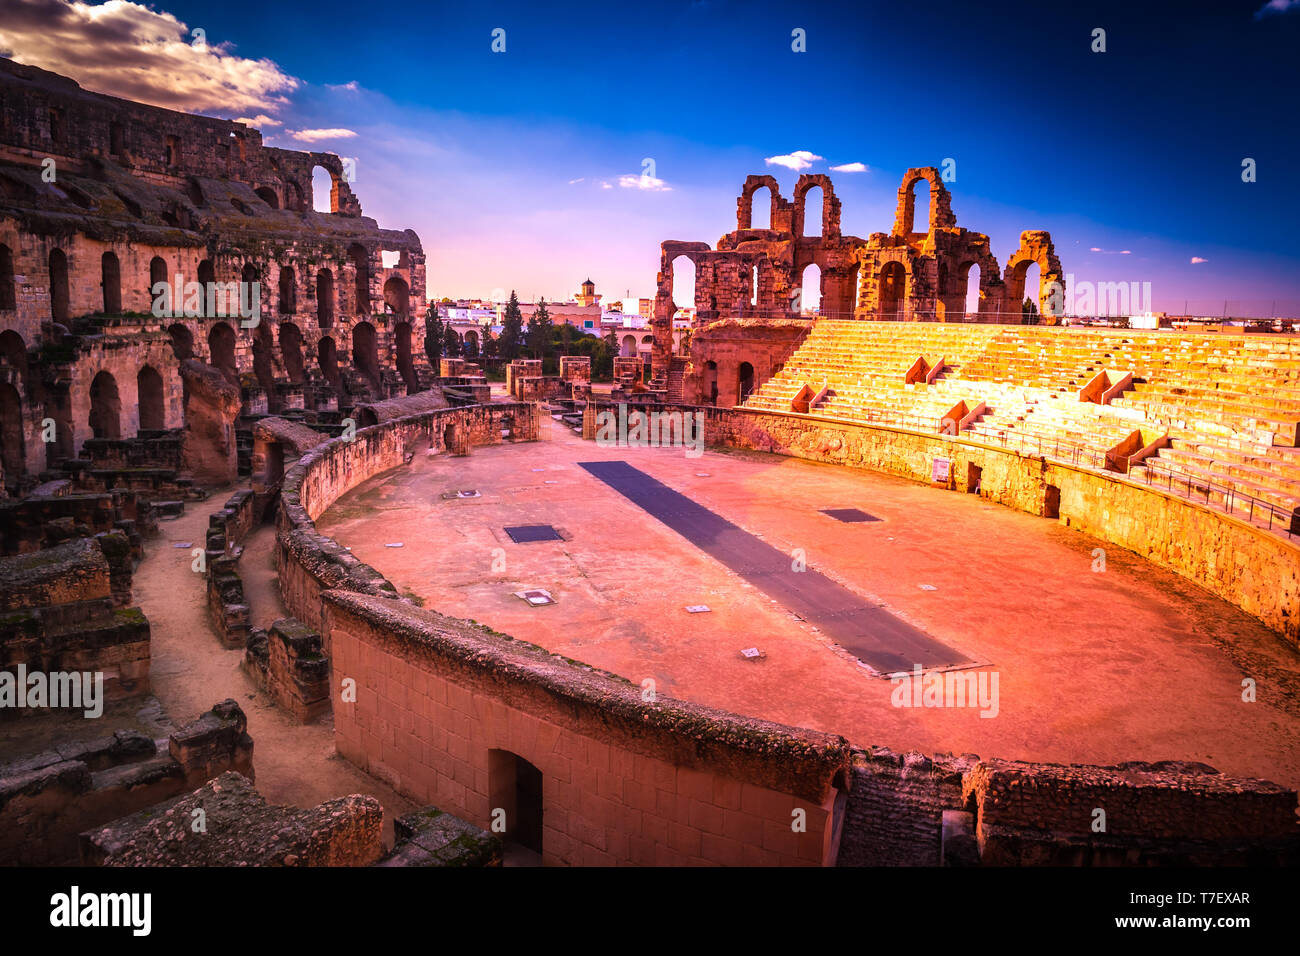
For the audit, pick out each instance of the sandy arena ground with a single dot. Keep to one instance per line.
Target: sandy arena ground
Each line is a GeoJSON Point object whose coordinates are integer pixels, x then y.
{"type": "Point", "coordinates": [1133, 663]}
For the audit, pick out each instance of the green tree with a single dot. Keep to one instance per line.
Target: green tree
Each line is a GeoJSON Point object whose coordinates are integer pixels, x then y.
{"type": "Point", "coordinates": [512, 329]}
{"type": "Point", "coordinates": [1029, 311]}
{"type": "Point", "coordinates": [450, 341]}
{"type": "Point", "coordinates": [539, 333]}
{"type": "Point", "coordinates": [489, 344]}
{"type": "Point", "coordinates": [433, 334]}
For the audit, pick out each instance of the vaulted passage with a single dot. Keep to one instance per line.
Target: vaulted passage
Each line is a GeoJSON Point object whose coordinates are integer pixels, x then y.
{"type": "Point", "coordinates": [868, 631]}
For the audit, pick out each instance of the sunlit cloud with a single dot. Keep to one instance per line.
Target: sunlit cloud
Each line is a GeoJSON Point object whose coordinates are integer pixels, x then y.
{"type": "Point", "coordinates": [798, 160]}
{"type": "Point", "coordinates": [129, 50]}
{"type": "Point", "coordinates": [259, 121]}
{"type": "Point", "coordinates": [349, 87]}
{"type": "Point", "coordinates": [850, 168]}
{"type": "Point", "coordinates": [317, 135]}
{"type": "Point", "coordinates": [1197, 260]}
{"type": "Point", "coordinates": [650, 184]}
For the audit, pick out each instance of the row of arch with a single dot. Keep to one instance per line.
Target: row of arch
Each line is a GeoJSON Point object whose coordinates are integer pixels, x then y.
{"type": "Point", "coordinates": [222, 341]}
{"type": "Point", "coordinates": [396, 292]}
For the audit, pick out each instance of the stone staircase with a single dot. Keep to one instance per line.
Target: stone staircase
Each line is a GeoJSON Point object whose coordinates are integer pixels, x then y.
{"type": "Point", "coordinates": [1228, 404]}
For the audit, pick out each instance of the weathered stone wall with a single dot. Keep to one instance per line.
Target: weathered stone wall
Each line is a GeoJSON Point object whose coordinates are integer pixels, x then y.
{"type": "Point", "coordinates": [48, 799]}
{"type": "Point", "coordinates": [308, 562]}
{"type": "Point", "coordinates": [623, 780]}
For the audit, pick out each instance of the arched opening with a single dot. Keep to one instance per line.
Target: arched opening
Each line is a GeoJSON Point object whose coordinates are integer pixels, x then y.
{"type": "Point", "coordinates": [471, 344]}
{"type": "Point", "coordinates": [1028, 304]}
{"type": "Point", "coordinates": [149, 390]}
{"type": "Point", "coordinates": [327, 355]}
{"type": "Point", "coordinates": [291, 351]}
{"type": "Point", "coordinates": [683, 282]}
{"type": "Point", "coordinates": [361, 264]}
{"type": "Point", "coordinates": [59, 286]}
{"type": "Point", "coordinates": [182, 341]}
{"type": "Point", "coordinates": [973, 303]}
{"type": "Point", "coordinates": [263, 349]}
{"type": "Point", "coordinates": [268, 196]}
{"type": "Point", "coordinates": [111, 282]}
{"type": "Point", "coordinates": [397, 298]}
{"type": "Point", "coordinates": [288, 291]}
{"type": "Point", "coordinates": [157, 274]}
{"type": "Point", "coordinates": [405, 368]}
{"type": "Point", "coordinates": [813, 200]}
{"type": "Point", "coordinates": [744, 381]}
{"type": "Point", "coordinates": [325, 299]}
{"type": "Point", "coordinates": [8, 291]}
{"type": "Point", "coordinates": [221, 349]}
{"type": "Point", "coordinates": [293, 198]}
{"type": "Point", "coordinates": [515, 786]}
{"type": "Point", "coordinates": [250, 292]}
{"type": "Point", "coordinates": [12, 454]}
{"type": "Point", "coordinates": [893, 281]}
{"type": "Point", "coordinates": [760, 205]}
{"type": "Point", "coordinates": [207, 276]}
{"type": "Point", "coordinates": [105, 407]}
{"type": "Point", "coordinates": [13, 354]}
{"type": "Point", "coordinates": [627, 347]}
{"type": "Point", "coordinates": [711, 382]}
{"type": "Point", "coordinates": [365, 352]}
{"type": "Point", "coordinates": [810, 292]}
{"type": "Point", "coordinates": [921, 206]}
{"type": "Point", "coordinates": [322, 187]}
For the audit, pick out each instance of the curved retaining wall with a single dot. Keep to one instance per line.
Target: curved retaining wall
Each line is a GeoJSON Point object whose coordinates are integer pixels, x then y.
{"type": "Point", "coordinates": [1255, 569]}
{"type": "Point", "coordinates": [449, 713]}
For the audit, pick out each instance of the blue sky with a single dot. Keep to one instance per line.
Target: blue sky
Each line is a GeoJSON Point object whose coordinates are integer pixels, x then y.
{"type": "Point", "coordinates": [500, 160]}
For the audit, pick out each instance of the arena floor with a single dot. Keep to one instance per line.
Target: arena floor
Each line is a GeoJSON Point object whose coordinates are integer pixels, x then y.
{"type": "Point", "coordinates": [1133, 663]}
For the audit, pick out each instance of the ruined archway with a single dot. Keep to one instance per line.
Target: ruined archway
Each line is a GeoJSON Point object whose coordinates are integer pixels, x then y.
{"type": "Point", "coordinates": [365, 352]}
{"type": "Point", "coordinates": [938, 204]}
{"type": "Point", "coordinates": [892, 290]}
{"type": "Point", "coordinates": [111, 282]}
{"type": "Point", "coordinates": [8, 291]}
{"type": "Point", "coordinates": [405, 367]}
{"type": "Point", "coordinates": [58, 265]}
{"type": "Point", "coordinates": [13, 354]}
{"type": "Point", "coordinates": [969, 278]}
{"type": "Point", "coordinates": [744, 382]}
{"type": "Point", "coordinates": [268, 196]}
{"type": "Point", "coordinates": [361, 265]}
{"type": "Point", "coordinates": [745, 215]}
{"type": "Point", "coordinates": [105, 407]}
{"type": "Point", "coordinates": [682, 282]}
{"type": "Point", "coordinates": [263, 361]}
{"type": "Point", "coordinates": [182, 341]}
{"type": "Point", "coordinates": [1036, 249]}
{"type": "Point", "coordinates": [149, 393]}
{"type": "Point", "coordinates": [397, 296]}
{"type": "Point", "coordinates": [221, 351]}
{"type": "Point", "coordinates": [327, 356]}
{"type": "Point", "coordinates": [12, 453]}
{"type": "Point", "coordinates": [810, 290]}
{"type": "Point", "coordinates": [207, 277]}
{"type": "Point", "coordinates": [325, 299]}
{"type": "Point", "coordinates": [291, 351]}
{"type": "Point", "coordinates": [322, 189]}
{"type": "Point", "coordinates": [288, 291]}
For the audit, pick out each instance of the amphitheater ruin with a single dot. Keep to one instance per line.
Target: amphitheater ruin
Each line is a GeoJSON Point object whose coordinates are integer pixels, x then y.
{"type": "Point", "coordinates": [941, 589]}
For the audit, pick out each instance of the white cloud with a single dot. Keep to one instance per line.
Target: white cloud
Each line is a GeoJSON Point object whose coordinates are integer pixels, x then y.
{"type": "Point", "coordinates": [316, 135]}
{"type": "Point", "coordinates": [258, 121]}
{"type": "Point", "coordinates": [1095, 249]}
{"type": "Point", "coordinates": [127, 49]}
{"type": "Point", "coordinates": [645, 183]}
{"type": "Point", "coordinates": [1276, 7]}
{"type": "Point", "coordinates": [1197, 260]}
{"type": "Point", "coordinates": [799, 159]}
{"type": "Point", "coordinates": [574, 182]}
{"type": "Point", "coordinates": [349, 87]}
{"type": "Point", "coordinates": [850, 168]}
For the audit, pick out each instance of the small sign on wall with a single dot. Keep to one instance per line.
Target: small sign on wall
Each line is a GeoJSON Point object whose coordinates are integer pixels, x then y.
{"type": "Point", "coordinates": [939, 471]}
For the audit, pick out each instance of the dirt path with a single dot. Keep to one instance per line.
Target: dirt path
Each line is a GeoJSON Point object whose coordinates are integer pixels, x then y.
{"type": "Point", "coordinates": [295, 764]}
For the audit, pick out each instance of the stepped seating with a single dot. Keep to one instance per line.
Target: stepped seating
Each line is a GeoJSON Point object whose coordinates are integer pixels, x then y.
{"type": "Point", "coordinates": [1229, 403]}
